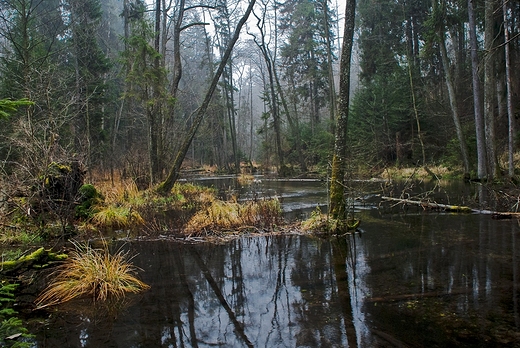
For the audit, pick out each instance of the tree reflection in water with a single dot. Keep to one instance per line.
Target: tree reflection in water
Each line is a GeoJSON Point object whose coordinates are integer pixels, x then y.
{"type": "Point", "coordinates": [410, 280]}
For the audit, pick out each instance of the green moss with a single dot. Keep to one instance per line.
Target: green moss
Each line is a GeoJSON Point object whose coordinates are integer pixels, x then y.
{"type": "Point", "coordinates": [89, 198]}
{"type": "Point", "coordinates": [36, 259]}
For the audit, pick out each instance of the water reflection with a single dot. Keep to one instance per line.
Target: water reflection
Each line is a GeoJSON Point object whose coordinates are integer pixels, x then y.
{"type": "Point", "coordinates": [409, 280]}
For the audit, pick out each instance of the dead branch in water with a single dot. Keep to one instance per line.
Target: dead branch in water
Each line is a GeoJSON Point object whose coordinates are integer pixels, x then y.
{"type": "Point", "coordinates": [452, 208]}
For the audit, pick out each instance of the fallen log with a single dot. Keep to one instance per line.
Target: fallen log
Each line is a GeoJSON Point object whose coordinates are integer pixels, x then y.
{"type": "Point", "coordinates": [452, 208]}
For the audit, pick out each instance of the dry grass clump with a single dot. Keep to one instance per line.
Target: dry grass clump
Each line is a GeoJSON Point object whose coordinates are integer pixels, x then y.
{"type": "Point", "coordinates": [119, 191]}
{"type": "Point", "coordinates": [222, 215]}
{"type": "Point", "coordinates": [245, 179]}
{"type": "Point", "coordinates": [323, 223]}
{"type": "Point", "coordinates": [194, 193]}
{"type": "Point", "coordinates": [92, 272]}
{"type": "Point", "coordinates": [415, 172]}
{"type": "Point", "coordinates": [114, 216]}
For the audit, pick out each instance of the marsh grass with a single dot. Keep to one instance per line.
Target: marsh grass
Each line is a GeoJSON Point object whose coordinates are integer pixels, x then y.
{"type": "Point", "coordinates": [113, 216]}
{"type": "Point", "coordinates": [221, 215]}
{"type": "Point", "coordinates": [11, 236]}
{"type": "Point", "coordinates": [323, 223]}
{"type": "Point", "coordinates": [92, 272]}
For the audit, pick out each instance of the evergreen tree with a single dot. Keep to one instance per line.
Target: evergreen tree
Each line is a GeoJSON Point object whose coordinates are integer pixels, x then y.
{"type": "Point", "coordinates": [305, 53]}
{"type": "Point", "coordinates": [145, 79]}
{"type": "Point", "coordinates": [91, 66]}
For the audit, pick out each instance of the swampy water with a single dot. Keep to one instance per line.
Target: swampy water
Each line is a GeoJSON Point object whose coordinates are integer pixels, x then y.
{"type": "Point", "coordinates": [406, 278]}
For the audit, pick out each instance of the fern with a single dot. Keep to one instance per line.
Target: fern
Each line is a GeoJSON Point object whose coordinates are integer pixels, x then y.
{"type": "Point", "coordinates": [12, 332]}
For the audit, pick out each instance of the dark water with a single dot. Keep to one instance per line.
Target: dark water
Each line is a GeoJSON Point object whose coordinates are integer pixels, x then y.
{"type": "Point", "coordinates": [409, 279]}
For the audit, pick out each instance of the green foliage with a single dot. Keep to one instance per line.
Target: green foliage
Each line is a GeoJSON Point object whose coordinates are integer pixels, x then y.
{"type": "Point", "coordinates": [305, 52]}
{"type": "Point", "coordinates": [8, 106]}
{"type": "Point", "coordinates": [317, 145]}
{"type": "Point", "coordinates": [380, 113]}
{"type": "Point", "coordinates": [12, 331]}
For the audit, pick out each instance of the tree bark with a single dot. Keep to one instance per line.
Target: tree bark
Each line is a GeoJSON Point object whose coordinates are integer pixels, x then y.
{"type": "Point", "coordinates": [332, 87]}
{"type": "Point", "coordinates": [453, 100]}
{"type": "Point", "coordinates": [489, 87]}
{"type": "Point", "coordinates": [510, 114]}
{"type": "Point", "coordinates": [337, 188]}
{"type": "Point", "coordinates": [479, 118]}
{"type": "Point", "coordinates": [198, 114]}
{"type": "Point", "coordinates": [274, 100]}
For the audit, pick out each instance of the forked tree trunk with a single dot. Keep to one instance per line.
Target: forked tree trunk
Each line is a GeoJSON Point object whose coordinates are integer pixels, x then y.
{"type": "Point", "coordinates": [337, 188]}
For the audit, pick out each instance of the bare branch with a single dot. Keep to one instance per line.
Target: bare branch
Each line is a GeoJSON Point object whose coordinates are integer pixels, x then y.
{"type": "Point", "coordinates": [192, 25]}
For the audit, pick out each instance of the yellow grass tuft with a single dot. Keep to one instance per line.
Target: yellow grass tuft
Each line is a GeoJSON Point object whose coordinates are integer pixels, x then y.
{"type": "Point", "coordinates": [222, 215]}
{"type": "Point", "coordinates": [322, 223]}
{"type": "Point", "coordinates": [117, 217]}
{"type": "Point", "coordinates": [194, 193]}
{"type": "Point", "coordinates": [92, 272]}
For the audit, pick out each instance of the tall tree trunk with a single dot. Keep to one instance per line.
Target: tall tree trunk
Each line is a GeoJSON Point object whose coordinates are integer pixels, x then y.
{"type": "Point", "coordinates": [173, 175]}
{"type": "Point", "coordinates": [479, 118]}
{"type": "Point", "coordinates": [272, 93]}
{"type": "Point", "coordinates": [231, 113]}
{"type": "Point", "coordinates": [156, 141]}
{"type": "Point", "coordinates": [415, 110]}
{"type": "Point", "coordinates": [293, 122]}
{"type": "Point", "coordinates": [489, 87]}
{"type": "Point", "coordinates": [510, 114]}
{"type": "Point", "coordinates": [337, 188]}
{"type": "Point", "coordinates": [448, 76]}
{"type": "Point", "coordinates": [332, 86]}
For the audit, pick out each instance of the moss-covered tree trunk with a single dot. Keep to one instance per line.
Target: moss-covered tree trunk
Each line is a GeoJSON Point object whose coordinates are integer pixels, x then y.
{"type": "Point", "coordinates": [337, 186]}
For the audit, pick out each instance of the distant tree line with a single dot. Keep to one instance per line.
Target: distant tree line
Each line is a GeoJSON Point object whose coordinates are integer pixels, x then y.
{"type": "Point", "coordinates": [116, 85]}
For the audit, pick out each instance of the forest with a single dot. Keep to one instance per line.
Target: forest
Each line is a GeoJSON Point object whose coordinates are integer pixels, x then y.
{"type": "Point", "coordinates": [105, 105]}
{"type": "Point", "coordinates": [117, 86]}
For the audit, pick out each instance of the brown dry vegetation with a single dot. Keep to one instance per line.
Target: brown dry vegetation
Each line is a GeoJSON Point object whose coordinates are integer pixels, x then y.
{"type": "Point", "coordinates": [219, 215]}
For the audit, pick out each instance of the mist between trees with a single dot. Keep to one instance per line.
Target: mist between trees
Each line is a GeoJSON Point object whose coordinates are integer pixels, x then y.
{"type": "Point", "coordinates": [121, 86]}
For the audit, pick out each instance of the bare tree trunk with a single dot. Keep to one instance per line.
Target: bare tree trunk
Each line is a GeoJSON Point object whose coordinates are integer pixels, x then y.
{"type": "Point", "coordinates": [173, 175]}
{"type": "Point", "coordinates": [337, 188]}
{"type": "Point", "coordinates": [510, 114]}
{"type": "Point", "coordinates": [292, 121]}
{"type": "Point", "coordinates": [489, 87]}
{"type": "Point", "coordinates": [274, 100]}
{"type": "Point", "coordinates": [332, 87]}
{"type": "Point", "coordinates": [453, 102]}
{"type": "Point", "coordinates": [479, 118]}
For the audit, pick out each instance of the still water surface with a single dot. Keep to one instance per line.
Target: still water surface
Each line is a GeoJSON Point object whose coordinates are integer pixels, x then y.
{"type": "Point", "coordinates": [408, 279]}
